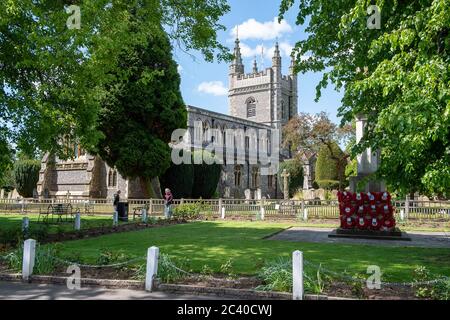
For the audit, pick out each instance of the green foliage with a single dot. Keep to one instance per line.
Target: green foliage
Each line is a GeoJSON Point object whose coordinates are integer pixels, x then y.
{"type": "Point", "coordinates": [206, 175]}
{"type": "Point", "coordinates": [295, 168]}
{"type": "Point", "coordinates": [179, 179]}
{"type": "Point", "coordinates": [6, 161]}
{"type": "Point", "coordinates": [328, 184]}
{"type": "Point", "coordinates": [26, 176]}
{"type": "Point", "coordinates": [327, 166]}
{"type": "Point", "coordinates": [170, 270]}
{"type": "Point", "coordinates": [187, 211]}
{"type": "Point", "coordinates": [54, 79]}
{"type": "Point", "coordinates": [108, 256]}
{"type": "Point", "coordinates": [398, 76]}
{"type": "Point", "coordinates": [437, 289]}
{"type": "Point", "coordinates": [45, 262]}
{"type": "Point", "coordinates": [142, 110]}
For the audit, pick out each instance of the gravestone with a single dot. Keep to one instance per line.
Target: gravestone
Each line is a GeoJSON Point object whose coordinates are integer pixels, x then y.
{"type": "Point", "coordinates": [2, 193]}
{"type": "Point", "coordinates": [368, 163]}
{"type": "Point", "coordinates": [258, 194]}
{"type": "Point", "coordinates": [248, 194]}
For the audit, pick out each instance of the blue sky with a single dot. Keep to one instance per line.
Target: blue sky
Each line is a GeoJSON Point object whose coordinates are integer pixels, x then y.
{"type": "Point", "coordinates": [204, 84]}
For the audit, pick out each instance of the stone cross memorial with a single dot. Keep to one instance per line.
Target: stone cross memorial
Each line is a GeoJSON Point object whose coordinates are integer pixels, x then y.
{"type": "Point", "coordinates": [285, 175]}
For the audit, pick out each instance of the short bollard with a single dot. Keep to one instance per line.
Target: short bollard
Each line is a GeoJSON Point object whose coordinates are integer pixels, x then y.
{"type": "Point", "coordinates": [29, 253]}
{"type": "Point", "coordinates": [263, 213]}
{"type": "Point", "coordinates": [223, 213]}
{"type": "Point", "coordinates": [25, 224]}
{"type": "Point", "coordinates": [305, 214]}
{"type": "Point", "coordinates": [297, 275]}
{"type": "Point", "coordinates": [152, 267]}
{"type": "Point", "coordinates": [78, 221]}
{"type": "Point", "coordinates": [144, 215]}
{"type": "Point", "coordinates": [115, 218]}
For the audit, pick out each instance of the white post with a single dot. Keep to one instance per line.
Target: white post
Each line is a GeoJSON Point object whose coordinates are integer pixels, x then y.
{"type": "Point", "coordinates": [407, 206]}
{"type": "Point", "coordinates": [115, 218]}
{"type": "Point", "coordinates": [77, 221]}
{"type": "Point", "coordinates": [305, 214]}
{"type": "Point", "coordinates": [152, 267]}
{"type": "Point", "coordinates": [144, 215]}
{"type": "Point", "coordinates": [402, 215]}
{"type": "Point", "coordinates": [297, 275]}
{"type": "Point", "coordinates": [25, 224]}
{"type": "Point", "coordinates": [29, 251]}
{"type": "Point", "coordinates": [223, 213]}
{"type": "Point", "coordinates": [263, 212]}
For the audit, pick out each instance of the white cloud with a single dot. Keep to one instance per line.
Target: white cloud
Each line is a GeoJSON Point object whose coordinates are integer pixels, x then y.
{"type": "Point", "coordinates": [252, 29]}
{"type": "Point", "coordinates": [180, 68]}
{"type": "Point", "coordinates": [248, 52]}
{"type": "Point", "coordinates": [216, 88]}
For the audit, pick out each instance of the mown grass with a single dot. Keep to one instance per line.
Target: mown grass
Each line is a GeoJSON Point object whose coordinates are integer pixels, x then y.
{"type": "Point", "coordinates": [214, 243]}
{"type": "Point", "coordinates": [11, 221]}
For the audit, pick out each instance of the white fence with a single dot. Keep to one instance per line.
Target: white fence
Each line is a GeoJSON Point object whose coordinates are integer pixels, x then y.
{"type": "Point", "coordinates": [272, 208]}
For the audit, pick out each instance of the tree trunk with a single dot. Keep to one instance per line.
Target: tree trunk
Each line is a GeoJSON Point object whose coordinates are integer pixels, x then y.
{"type": "Point", "coordinates": [151, 187]}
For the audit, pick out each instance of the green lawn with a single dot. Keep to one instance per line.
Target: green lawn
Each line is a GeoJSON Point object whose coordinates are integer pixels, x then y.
{"type": "Point", "coordinates": [8, 222]}
{"type": "Point", "coordinates": [213, 243]}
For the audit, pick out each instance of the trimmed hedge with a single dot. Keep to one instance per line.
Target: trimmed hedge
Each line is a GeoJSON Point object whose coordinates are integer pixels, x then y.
{"type": "Point", "coordinates": [328, 184]}
{"type": "Point", "coordinates": [26, 176]}
{"type": "Point", "coordinates": [326, 167]}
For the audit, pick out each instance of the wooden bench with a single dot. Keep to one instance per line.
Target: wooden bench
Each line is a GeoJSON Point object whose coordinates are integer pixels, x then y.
{"type": "Point", "coordinates": [137, 212]}
{"type": "Point", "coordinates": [59, 210]}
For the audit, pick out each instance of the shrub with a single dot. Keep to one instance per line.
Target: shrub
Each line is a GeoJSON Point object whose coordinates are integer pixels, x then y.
{"type": "Point", "coordinates": [328, 184]}
{"type": "Point", "coordinates": [326, 166]}
{"type": "Point", "coordinates": [206, 176]}
{"type": "Point", "coordinates": [187, 211]}
{"type": "Point", "coordinates": [437, 289]}
{"type": "Point", "coordinates": [295, 168]}
{"type": "Point", "coordinates": [26, 176]}
{"type": "Point", "coordinates": [179, 179]}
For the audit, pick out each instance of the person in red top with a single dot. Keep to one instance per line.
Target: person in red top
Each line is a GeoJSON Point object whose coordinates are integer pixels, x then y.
{"type": "Point", "coordinates": [168, 200]}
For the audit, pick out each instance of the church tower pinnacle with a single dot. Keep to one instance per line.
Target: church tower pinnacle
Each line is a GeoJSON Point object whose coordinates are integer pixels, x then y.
{"type": "Point", "coordinates": [237, 67]}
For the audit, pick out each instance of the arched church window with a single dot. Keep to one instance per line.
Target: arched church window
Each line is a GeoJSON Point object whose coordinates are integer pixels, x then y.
{"type": "Point", "coordinates": [283, 110]}
{"type": "Point", "coordinates": [112, 178]}
{"type": "Point", "coordinates": [237, 175]}
{"type": "Point", "coordinates": [255, 177]}
{"type": "Point", "coordinates": [251, 107]}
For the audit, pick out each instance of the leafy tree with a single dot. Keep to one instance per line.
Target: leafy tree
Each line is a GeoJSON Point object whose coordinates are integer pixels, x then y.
{"type": "Point", "coordinates": [206, 176]}
{"type": "Point", "coordinates": [398, 76]}
{"type": "Point", "coordinates": [295, 168]}
{"type": "Point", "coordinates": [306, 132]}
{"type": "Point", "coordinates": [6, 160]}
{"type": "Point", "coordinates": [54, 78]}
{"type": "Point", "coordinates": [328, 169]}
{"type": "Point", "coordinates": [179, 179]}
{"type": "Point", "coordinates": [141, 111]}
{"type": "Point", "coordinates": [26, 176]}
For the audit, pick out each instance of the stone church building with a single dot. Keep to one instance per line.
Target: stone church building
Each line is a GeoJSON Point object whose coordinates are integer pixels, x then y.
{"type": "Point", "coordinates": [258, 100]}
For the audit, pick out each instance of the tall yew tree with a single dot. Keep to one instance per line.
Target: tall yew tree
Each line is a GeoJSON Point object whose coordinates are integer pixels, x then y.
{"type": "Point", "coordinates": [141, 110]}
{"type": "Point", "coordinates": [399, 76]}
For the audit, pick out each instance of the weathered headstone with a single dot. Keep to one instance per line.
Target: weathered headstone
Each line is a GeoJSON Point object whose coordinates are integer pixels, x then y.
{"type": "Point", "coordinates": [248, 194]}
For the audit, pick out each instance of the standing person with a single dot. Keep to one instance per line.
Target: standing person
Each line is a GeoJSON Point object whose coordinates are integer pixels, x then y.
{"type": "Point", "coordinates": [116, 200]}
{"type": "Point", "coordinates": [168, 200]}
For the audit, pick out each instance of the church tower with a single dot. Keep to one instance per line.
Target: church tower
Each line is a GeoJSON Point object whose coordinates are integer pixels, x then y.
{"type": "Point", "coordinates": [265, 96]}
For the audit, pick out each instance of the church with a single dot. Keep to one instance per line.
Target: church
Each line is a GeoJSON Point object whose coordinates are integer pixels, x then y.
{"type": "Point", "coordinates": [258, 100]}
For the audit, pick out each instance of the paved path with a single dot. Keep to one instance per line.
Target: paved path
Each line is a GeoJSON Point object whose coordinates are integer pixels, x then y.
{"type": "Point", "coordinates": [320, 235]}
{"type": "Point", "coordinates": [26, 291]}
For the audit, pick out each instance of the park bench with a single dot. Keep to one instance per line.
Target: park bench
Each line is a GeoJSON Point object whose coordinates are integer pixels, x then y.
{"type": "Point", "coordinates": [137, 211]}
{"type": "Point", "coordinates": [57, 209]}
